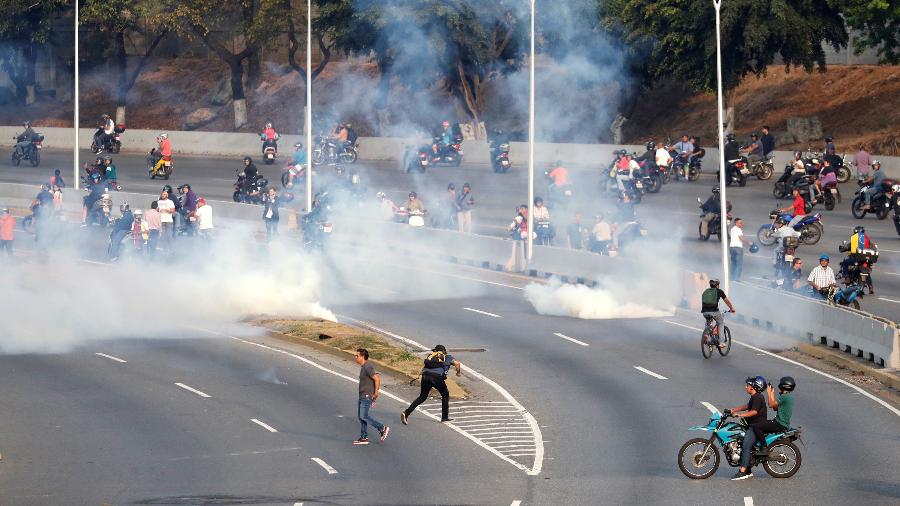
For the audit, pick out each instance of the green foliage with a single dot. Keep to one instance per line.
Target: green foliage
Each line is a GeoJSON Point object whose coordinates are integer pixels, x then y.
{"type": "Point", "coordinates": [681, 35]}
{"type": "Point", "coordinates": [114, 16]}
{"type": "Point", "coordinates": [28, 20]}
{"type": "Point", "coordinates": [878, 24]}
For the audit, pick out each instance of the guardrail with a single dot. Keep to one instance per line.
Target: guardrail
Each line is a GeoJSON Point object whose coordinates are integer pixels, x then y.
{"type": "Point", "coordinates": [371, 148]}
{"type": "Point", "coordinates": [805, 319]}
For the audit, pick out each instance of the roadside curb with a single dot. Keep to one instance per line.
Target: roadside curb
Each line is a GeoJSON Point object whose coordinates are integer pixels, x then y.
{"type": "Point", "coordinates": [843, 360]}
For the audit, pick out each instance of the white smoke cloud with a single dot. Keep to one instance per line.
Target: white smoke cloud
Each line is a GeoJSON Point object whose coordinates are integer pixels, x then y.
{"type": "Point", "coordinates": [580, 301]}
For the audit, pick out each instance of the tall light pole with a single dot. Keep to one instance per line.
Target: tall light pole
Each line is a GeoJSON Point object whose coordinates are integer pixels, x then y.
{"type": "Point", "coordinates": [308, 127]}
{"type": "Point", "coordinates": [75, 150]}
{"type": "Point", "coordinates": [530, 240]}
{"type": "Point", "coordinates": [723, 210]}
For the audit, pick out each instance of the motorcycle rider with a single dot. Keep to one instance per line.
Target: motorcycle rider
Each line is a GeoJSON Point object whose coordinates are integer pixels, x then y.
{"type": "Point", "coordinates": [98, 188]}
{"type": "Point", "coordinates": [23, 140]}
{"type": "Point", "coordinates": [858, 242]}
{"type": "Point", "coordinates": [662, 156]}
{"type": "Point", "coordinates": [57, 180]}
{"type": "Point", "coordinates": [755, 411]}
{"type": "Point", "coordinates": [165, 151]}
{"type": "Point", "coordinates": [250, 170]}
{"type": "Point", "coordinates": [269, 137]}
{"type": "Point", "coordinates": [685, 149]}
{"type": "Point", "coordinates": [299, 161]}
{"type": "Point", "coordinates": [105, 131]}
{"type": "Point", "coordinates": [821, 278]}
{"type": "Point", "coordinates": [780, 233]}
{"type": "Point", "coordinates": [783, 405]}
{"type": "Point", "coordinates": [648, 159]}
{"type": "Point", "coordinates": [559, 175]}
{"type": "Point", "coordinates": [496, 140]}
{"type": "Point", "coordinates": [876, 184]}
{"type": "Point", "coordinates": [827, 175]}
{"type": "Point", "coordinates": [732, 151]}
{"type": "Point", "coordinates": [109, 171]}
{"type": "Point", "coordinates": [710, 306]}
{"type": "Point", "coordinates": [797, 209]}
{"type": "Point", "coordinates": [712, 209]}
{"type": "Point", "coordinates": [628, 169]}
{"type": "Point", "coordinates": [121, 228]}
{"type": "Point", "coordinates": [443, 139]}
{"type": "Point", "coordinates": [413, 204]}
{"type": "Point", "coordinates": [755, 150]}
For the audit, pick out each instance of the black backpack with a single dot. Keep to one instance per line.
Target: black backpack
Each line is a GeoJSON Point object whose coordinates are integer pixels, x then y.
{"type": "Point", "coordinates": [435, 360]}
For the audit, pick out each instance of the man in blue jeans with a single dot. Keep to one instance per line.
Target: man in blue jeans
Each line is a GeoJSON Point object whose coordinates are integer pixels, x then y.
{"type": "Point", "coordinates": [369, 383]}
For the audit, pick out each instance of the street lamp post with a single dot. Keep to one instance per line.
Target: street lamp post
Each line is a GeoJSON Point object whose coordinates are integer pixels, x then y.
{"type": "Point", "coordinates": [308, 127]}
{"type": "Point", "coordinates": [530, 240]}
{"type": "Point", "coordinates": [723, 210]}
{"type": "Point", "coordinates": [75, 150]}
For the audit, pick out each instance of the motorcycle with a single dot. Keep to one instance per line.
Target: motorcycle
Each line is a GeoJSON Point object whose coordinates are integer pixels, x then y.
{"type": "Point", "coordinates": [859, 268]}
{"type": "Point", "coordinates": [165, 170]}
{"type": "Point", "coordinates": [249, 192]}
{"type": "Point", "coordinates": [500, 160]}
{"type": "Point", "coordinates": [31, 152]}
{"type": "Point", "coordinates": [270, 149]}
{"type": "Point", "coordinates": [842, 171]}
{"type": "Point", "coordinates": [682, 161]}
{"type": "Point", "coordinates": [411, 218]}
{"type": "Point", "coordinates": [881, 204]}
{"type": "Point", "coordinates": [112, 144]}
{"type": "Point", "coordinates": [629, 233]}
{"type": "Point", "coordinates": [416, 159]}
{"type": "Point", "coordinates": [763, 169]}
{"type": "Point", "coordinates": [784, 259]}
{"type": "Point", "coordinates": [290, 173]}
{"type": "Point", "coordinates": [449, 155]}
{"type": "Point", "coordinates": [739, 173]}
{"type": "Point", "coordinates": [848, 296]}
{"type": "Point", "coordinates": [316, 232]}
{"type": "Point", "coordinates": [810, 228]}
{"type": "Point", "coordinates": [326, 151]}
{"type": "Point", "coordinates": [698, 458]}
{"type": "Point", "coordinates": [715, 225]}
{"type": "Point", "coordinates": [100, 213]}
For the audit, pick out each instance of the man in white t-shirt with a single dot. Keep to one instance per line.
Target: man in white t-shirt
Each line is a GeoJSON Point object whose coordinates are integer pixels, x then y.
{"type": "Point", "coordinates": [204, 218]}
{"type": "Point", "coordinates": [736, 241]}
{"type": "Point", "coordinates": [166, 209]}
{"type": "Point", "coordinates": [663, 158]}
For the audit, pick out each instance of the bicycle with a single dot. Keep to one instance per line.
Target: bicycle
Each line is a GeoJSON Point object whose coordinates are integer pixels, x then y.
{"type": "Point", "coordinates": [712, 340]}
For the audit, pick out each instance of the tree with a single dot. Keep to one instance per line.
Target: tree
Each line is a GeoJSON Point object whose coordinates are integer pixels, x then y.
{"type": "Point", "coordinates": [877, 23]}
{"type": "Point", "coordinates": [25, 24]}
{"type": "Point", "coordinates": [257, 22]}
{"type": "Point", "coordinates": [119, 19]}
{"type": "Point", "coordinates": [332, 15]}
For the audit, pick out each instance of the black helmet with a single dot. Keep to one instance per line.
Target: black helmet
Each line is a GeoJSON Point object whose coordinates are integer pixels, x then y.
{"type": "Point", "coordinates": [412, 195]}
{"type": "Point", "coordinates": [168, 189]}
{"type": "Point", "coordinates": [623, 152]}
{"type": "Point", "coordinates": [781, 221]}
{"type": "Point", "coordinates": [787, 383]}
{"type": "Point", "coordinates": [538, 199]}
{"type": "Point", "coordinates": [729, 137]}
{"type": "Point", "coordinates": [713, 283]}
{"type": "Point", "coordinates": [45, 187]}
{"type": "Point", "coordinates": [859, 229]}
{"type": "Point", "coordinates": [650, 145]}
{"type": "Point", "coordinates": [451, 186]}
{"type": "Point", "coordinates": [99, 160]}
{"type": "Point", "coordinates": [715, 189]}
{"type": "Point", "coordinates": [829, 139]}
{"type": "Point", "coordinates": [248, 159]}
{"type": "Point", "coordinates": [758, 383]}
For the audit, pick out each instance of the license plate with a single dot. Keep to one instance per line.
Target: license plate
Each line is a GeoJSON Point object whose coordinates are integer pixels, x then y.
{"type": "Point", "coordinates": [834, 191]}
{"type": "Point", "coordinates": [638, 185]}
{"type": "Point", "coordinates": [789, 258]}
{"type": "Point", "coordinates": [424, 162]}
{"type": "Point", "coordinates": [460, 152]}
{"type": "Point", "coordinates": [745, 171]}
{"type": "Point", "coordinates": [505, 163]}
{"type": "Point", "coordinates": [327, 229]}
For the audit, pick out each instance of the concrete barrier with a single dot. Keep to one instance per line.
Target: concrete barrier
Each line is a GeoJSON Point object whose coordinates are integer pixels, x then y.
{"type": "Point", "coordinates": [229, 144]}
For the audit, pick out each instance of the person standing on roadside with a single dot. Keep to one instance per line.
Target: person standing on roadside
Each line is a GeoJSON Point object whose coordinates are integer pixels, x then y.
{"type": "Point", "coordinates": [153, 220]}
{"type": "Point", "coordinates": [369, 384]}
{"type": "Point", "coordinates": [434, 375]}
{"type": "Point", "coordinates": [166, 209]}
{"type": "Point", "coordinates": [464, 204]}
{"type": "Point", "coordinates": [7, 231]}
{"type": "Point", "coordinates": [862, 160]}
{"type": "Point", "coordinates": [736, 241]}
{"type": "Point", "coordinates": [271, 202]}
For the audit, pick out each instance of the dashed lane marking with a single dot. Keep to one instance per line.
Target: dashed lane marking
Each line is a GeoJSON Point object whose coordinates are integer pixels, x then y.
{"type": "Point", "coordinates": [264, 425]}
{"type": "Point", "coordinates": [198, 392]}
{"type": "Point", "coordinates": [104, 355]}
{"type": "Point", "coordinates": [515, 503]}
{"type": "Point", "coordinates": [572, 339]}
{"type": "Point", "coordinates": [492, 315]}
{"type": "Point", "coordinates": [889, 300]}
{"type": "Point", "coordinates": [683, 325]}
{"type": "Point", "coordinates": [651, 373]}
{"type": "Point", "coordinates": [712, 409]}
{"type": "Point", "coordinates": [324, 465]}
{"type": "Point", "coordinates": [748, 501]}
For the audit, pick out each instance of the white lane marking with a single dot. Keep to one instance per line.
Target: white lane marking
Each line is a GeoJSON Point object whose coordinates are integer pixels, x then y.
{"type": "Point", "coordinates": [94, 262]}
{"type": "Point", "coordinates": [263, 425]}
{"type": "Point", "coordinates": [748, 501]}
{"type": "Point", "coordinates": [893, 273]}
{"type": "Point", "coordinates": [492, 315]}
{"type": "Point", "coordinates": [712, 409]}
{"type": "Point", "coordinates": [376, 288]}
{"type": "Point", "coordinates": [888, 250]}
{"type": "Point", "coordinates": [515, 503]}
{"type": "Point", "coordinates": [567, 338]}
{"type": "Point", "coordinates": [324, 465]}
{"type": "Point", "coordinates": [889, 300]}
{"type": "Point", "coordinates": [651, 373]}
{"type": "Point", "coordinates": [119, 360]}
{"type": "Point", "coordinates": [820, 373]}
{"type": "Point", "coordinates": [536, 469]}
{"type": "Point", "coordinates": [189, 389]}
{"type": "Point", "coordinates": [683, 325]}
{"type": "Point", "coordinates": [296, 503]}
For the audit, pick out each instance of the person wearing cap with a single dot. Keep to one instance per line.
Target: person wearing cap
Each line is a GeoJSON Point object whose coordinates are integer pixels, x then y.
{"type": "Point", "coordinates": [204, 218]}
{"type": "Point", "coordinates": [434, 375]}
{"type": "Point", "coordinates": [140, 232]}
{"type": "Point", "coordinates": [7, 231]}
{"type": "Point", "coordinates": [822, 276]}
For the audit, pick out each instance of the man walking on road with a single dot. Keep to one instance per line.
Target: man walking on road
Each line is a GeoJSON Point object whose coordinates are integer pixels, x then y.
{"type": "Point", "coordinates": [369, 384]}
{"type": "Point", "coordinates": [434, 374]}
{"type": "Point", "coordinates": [736, 242]}
{"type": "Point", "coordinates": [7, 231]}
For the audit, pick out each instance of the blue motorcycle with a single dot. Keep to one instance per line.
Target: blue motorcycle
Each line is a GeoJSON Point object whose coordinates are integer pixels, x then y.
{"type": "Point", "coordinates": [699, 458]}
{"type": "Point", "coordinates": [810, 228]}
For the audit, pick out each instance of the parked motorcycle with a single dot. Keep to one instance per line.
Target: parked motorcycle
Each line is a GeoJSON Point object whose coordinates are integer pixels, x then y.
{"type": "Point", "coordinates": [31, 152]}
{"type": "Point", "coordinates": [165, 170]}
{"type": "Point", "coordinates": [111, 144]}
{"type": "Point", "coordinates": [699, 458]}
{"type": "Point", "coordinates": [810, 228]}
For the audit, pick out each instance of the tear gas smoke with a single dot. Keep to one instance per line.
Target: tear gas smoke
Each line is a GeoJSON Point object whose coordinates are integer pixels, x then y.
{"type": "Point", "coordinates": [270, 376]}
{"type": "Point", "coordinates": [580, 301]}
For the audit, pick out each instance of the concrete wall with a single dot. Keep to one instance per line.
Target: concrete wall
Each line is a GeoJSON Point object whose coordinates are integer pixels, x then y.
{"type": "Point", "coordinates": [373, 148]}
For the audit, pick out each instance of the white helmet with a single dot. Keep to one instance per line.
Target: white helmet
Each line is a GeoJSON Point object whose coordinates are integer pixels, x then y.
{"type": "Point", "coordinates": [268, 125]}
{"type": "Point", "coordinates": [163, 136]}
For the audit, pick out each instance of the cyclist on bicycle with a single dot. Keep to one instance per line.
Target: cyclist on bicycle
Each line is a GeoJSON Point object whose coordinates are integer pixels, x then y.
{"type": "Point", "coordinates": [710, 309]}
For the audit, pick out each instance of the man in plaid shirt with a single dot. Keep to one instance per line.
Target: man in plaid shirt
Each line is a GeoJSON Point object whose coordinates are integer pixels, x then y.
{"type": "Point", "coordinates": [822, 277]}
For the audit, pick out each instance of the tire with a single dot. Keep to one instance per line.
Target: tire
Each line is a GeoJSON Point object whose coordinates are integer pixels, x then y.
{"type": "Point", "coordinates": [855, 304]}
{"type": "Point", "coordinates": [95, 149]}
{"type": "Point", "coordinates": [743, 181]}
{"type": "Point", "coordinates": [285, 179]}
{"type": "Point", "coordinates": [786, 457]}
{"type": "Point", "coordinates": [778, 191]}
{"type": "Point", "coordinates": [693, 450]}
{"type": "Point", "coordinates": [829, 203]}
{"type": "Point", "coordinates": [765, 172]}
{"type": "Point", "coordinates": [16, 160]}
{"type": "Point", "coordinates": [856, 208]}
{"type": "Point", "coordinates": [236, 196]}
{"type": "Point", "coordinates": [726, 335]}
{"type": "Point", "coordinates": [765, 235]}
{"type": "Point", "coordinates": [317, 157]}
{"type": "Point", "coordinates": [693, 174]}
{"type": "Point", "coordinates": [35, 158]}
{"type": "Point", "coordinates": [705, 347]}
{"type": "Point", "coordinates": [351, 156]}
{"type": "Point", "coordinates": [882, 212]}
{"type": "Point", "coordinates": [116, 148]}
{"type": "Point", "coordinates": [655, 184]}
{"type": "Point", "coordinates": [843, 174]}
{"type": "Point", "coordinates": [457, 161]}
{"type": "Point", "coordinates": [813, 234]}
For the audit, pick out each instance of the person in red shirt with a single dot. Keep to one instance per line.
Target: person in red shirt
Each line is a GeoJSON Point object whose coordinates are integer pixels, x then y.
{"type": "Point", "coordinates": [7, 231]}
{"type": "Point", "coordinates": [558, 174]}
{"type": "Point", "coordinates": [165, 149]}
{"type": "Point", "coordinates": [269, 137]}
{"type": "Point", "coordinates": [797, 209]}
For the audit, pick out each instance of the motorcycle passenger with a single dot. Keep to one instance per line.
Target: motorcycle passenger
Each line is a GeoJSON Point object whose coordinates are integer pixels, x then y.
{"type": "Point", "coordinates": [98, 189]}
{"type": "Point", "coordinates": [828, 175]}
{"type": "Point", "coordinates": [783, 405]}
{"type": "Point", "coordinates": [627, 171]}
{"type": "Point", "coordinates": [821, 278]}
{"type": "Point", "coordinates": [23, 140]}
{"type": "Point", "coordinates": [767, 140]}
{"type": "Point", "coordinates": [299, 161]}
{"type": "Point", "coordinates": [713, 208]}
{"type": "Point", "coordinates": [876, 184]}
{"type": "Point", "coordinates": [165, 150]}
{"type": "Point", "coordinates": [413, 204]}
{"type": "Point", "coordinates": [732, 152]}
{"type": "Point", "coordinates": [859, 241]}
{"type": "Point", "coordinates": [250, 170]}
{"type": "Point", "coordinates": [269, 137]}
{"type": "Point", "coordinates": [755, 150]}
{"type": "Point", "coordinates": [443, 139]}
{"type": "Point", "coordinates": [57, 180]}
{"type": "Point", "coordinates": [121, 228]}
{"type": "Point", "coordinates": [662, 157]}
{"type": "Point", "coordinates": [755, 411]}
{"type": "Point", "coordinates": [710, 306]}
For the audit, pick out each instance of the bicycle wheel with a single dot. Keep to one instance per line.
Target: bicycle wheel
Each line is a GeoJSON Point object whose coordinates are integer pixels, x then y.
{"type": "Point", "coordinates": [706, 346]}
{"type": "Point", "coordinates": [725, 339]}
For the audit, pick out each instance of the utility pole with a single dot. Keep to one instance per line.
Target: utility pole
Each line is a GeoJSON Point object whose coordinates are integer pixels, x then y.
{"type": "Point", "coordinates": [723, 210]}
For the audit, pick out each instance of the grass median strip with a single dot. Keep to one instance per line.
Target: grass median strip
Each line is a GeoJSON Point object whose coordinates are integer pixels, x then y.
{"type": "Point", "coordinates": [345, 339]}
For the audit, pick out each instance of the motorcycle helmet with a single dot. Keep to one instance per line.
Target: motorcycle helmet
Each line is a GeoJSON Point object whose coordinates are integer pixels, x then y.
{"type": "Point", "coordinates": [107, 159]}
{"type": "Point", "coordinates": [713, 283]}
{"type": "Point", "coordinates": [98, 161]}
{"type": "Point", "coordinates": [876, 165]}
{"type": "Point", "coordinates": [380, 195]}
{"type": "Point", "coordinates": [412, 195]}
{"type": "Point", "coordinates": [45, 187]}
{"type": "Point", "coordinates": [859, 229]}
{"type": "Point", "coordinates": [715, 189]}
{"type": "Point", "coordinates": [787, 383]}
{"type": "Point", "coordinates": [538, 199]}
{"type": "Point", "coordinates": [268, 125]}
{"type": "Point", "coordinates": [451, 186]}
{"type": "Point", "coordinates": [829, 139]}
{"type": "Point", "coordinates": [185, 185]}
{"type": "Point", "coordinates": [168, 189]}
{"type": "Point", "coordinates": [823, 256]}
{"type": "Point", "coordinates": [758, 383]}
{"type": "Point", "coordinates": [729, 137]}
{"type": "Point", "coordinates": [138, 213]}
{"type": "Point", "coordinates": [163, 136]}
{"type": "Point", "coordinates": [123, 207]}
{"type": "Point", "coordinates": [754, 248]}
{"type": "Point", "coordinates": [781, 221]}
{"type": "Point", "coordinates": [650, 145]}
{"type": "Point", "coordinates": [299, 145]}
{"type": "Point", "coordinates": [95, 177]}
{"type": "Point", "coordinates": [26, 124]}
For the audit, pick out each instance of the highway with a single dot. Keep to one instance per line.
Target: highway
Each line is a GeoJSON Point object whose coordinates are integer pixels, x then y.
{"type": "Point", "coordinates": [671, 214]}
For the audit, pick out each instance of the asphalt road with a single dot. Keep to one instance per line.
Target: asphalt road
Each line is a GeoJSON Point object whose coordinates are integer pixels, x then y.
{"type": "Point", "coordinates": [83, 428]}
{"type": "Point", "coordinates": [671, 214]}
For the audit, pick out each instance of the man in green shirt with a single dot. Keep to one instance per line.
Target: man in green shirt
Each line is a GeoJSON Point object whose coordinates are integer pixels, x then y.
{"type": "Point", "coordinates": [784, 405]}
